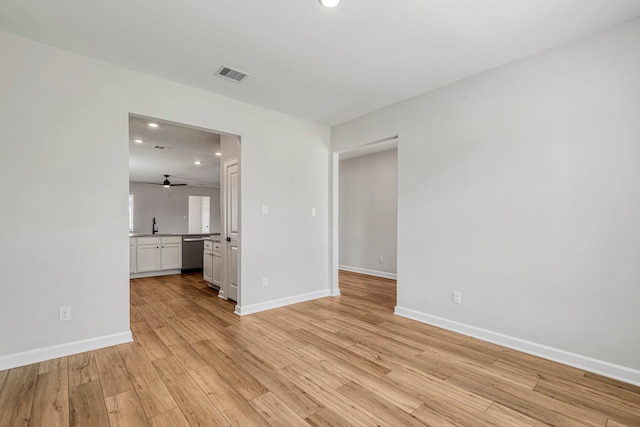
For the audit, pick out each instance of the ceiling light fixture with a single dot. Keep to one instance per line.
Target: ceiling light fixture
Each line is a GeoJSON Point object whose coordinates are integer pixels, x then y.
{"type": "Point", "coordinates": [152, 125]}
{"type": "Point", "coordinates": [329, 3]}
{"type": "Point", "coordinates": [218, 153]}
{"type": "Point", "coordinates": [138, 141]}
{"type": "Point", "coordinates": [197, 162]}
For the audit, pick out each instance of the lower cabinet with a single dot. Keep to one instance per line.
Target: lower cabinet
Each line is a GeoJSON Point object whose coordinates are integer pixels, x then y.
{"type": "Point", "coordinates": [212, 264]}
{"type": "Point", "coordinates": [207, 266]}
{"type": "Point", "coordinates": [133, 256]}
{"type": "Point", "coordinates": [217, 265]}
{"type": "Point", "coordinates": [148, 254]}
{"type": "Point", "coordinates": [171, 255]}
{"type": "Point", "coordinates": [155, 254]}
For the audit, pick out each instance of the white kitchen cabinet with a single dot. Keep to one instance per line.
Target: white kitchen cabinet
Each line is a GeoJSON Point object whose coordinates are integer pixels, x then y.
{"type": "Point", "coordinates": [133, 259]}
{"type": "Point", "coordinates": [147, 258]}
{"type": "Point", "coordinates": [212, 263]}
{"type": "Point", "coordinates": [155, 256]}
{"type": "Point", "coordinates": [216, 278]}
{"type": "Point", "coordinates": [171, 253]}
{"type": "Point", "coordinates": [207, 266]}
{"type": "Point", "coordinates": [148, 254]}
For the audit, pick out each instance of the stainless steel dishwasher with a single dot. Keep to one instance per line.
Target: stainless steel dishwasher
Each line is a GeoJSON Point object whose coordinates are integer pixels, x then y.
{"type": "Point", "coordinates": [192, 252]}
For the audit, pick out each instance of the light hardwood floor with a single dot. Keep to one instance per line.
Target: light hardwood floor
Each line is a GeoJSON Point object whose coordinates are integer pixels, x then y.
{"type": "Point", "coordinates": [339, 361]}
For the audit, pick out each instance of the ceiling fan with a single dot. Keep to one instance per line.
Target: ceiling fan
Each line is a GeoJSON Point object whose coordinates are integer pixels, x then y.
{"type": "Point", "coordinates": [166, 183]}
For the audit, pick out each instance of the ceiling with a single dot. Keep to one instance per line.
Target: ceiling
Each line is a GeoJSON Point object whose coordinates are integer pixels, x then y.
{"type": "Point", "coordinates": [324, 65]}
{"type": "Point", "coordinates": [182, 147]}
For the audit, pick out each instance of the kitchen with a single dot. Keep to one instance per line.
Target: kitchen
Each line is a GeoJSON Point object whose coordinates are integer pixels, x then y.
{"type": "Point", "coordinates": [176, 207]}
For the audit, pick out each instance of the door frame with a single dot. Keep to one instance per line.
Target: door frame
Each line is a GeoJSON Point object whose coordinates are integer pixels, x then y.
{"type": "Point", "coordinates": [334, 221]}
{"type": "Point", "coordinates": [223, 293]}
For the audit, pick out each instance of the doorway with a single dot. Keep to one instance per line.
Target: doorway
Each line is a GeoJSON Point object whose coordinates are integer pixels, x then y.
{"type": "Point", "coordinates": [199, 214]}
{"type": "Point", "coordinates": [176, 175]}
{"type": "Point", "coordinates": [365, 191]}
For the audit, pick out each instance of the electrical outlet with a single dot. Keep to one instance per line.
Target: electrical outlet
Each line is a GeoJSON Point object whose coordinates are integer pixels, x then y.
{"type": "Point", "coordinates": [64, 314]}
{"type": "Point", "coordinates": [457, 297]}
{"type": "Point", "coordinates": [381, 259]}
{"type": "Point", "coordinates": [265, 282]}
{"type": "Point", "coordinates": [265, 210]}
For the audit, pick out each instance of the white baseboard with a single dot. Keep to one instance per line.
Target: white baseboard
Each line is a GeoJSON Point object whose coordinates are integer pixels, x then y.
{"type": "Point", "coordinates": [607, 369]}
{"type": "Point", "coordinates": [154, 274]}
{"type": "Point", "coordinates": [52, 352]}
{"type": "Point", "coordinates": [334, 292]}
{"type": "Point", "coordinates": [376, 273]}
{"type": "Point", "coordinates": [268, 305]}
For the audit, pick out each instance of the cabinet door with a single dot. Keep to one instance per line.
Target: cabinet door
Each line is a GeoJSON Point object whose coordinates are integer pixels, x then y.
{"type": "Point", "coordinates": [148, 258]}
{"type": "Point", "coordinates": [217, 270]}
{"type": "Point", "coordinates": [207, 266]}
{"type": "Point", "coordinates": [171, 255]}
{"type": "Point", "coordinates": [133, 264]}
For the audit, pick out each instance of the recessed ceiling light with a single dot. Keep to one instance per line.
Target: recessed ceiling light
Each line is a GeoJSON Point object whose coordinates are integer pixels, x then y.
{"type": "Point", "coordinates": [197, 162]}
{"type": "Point", "coordinates": [139, 141]}
{"type": "Point", "coordinates": [218, 153]}
{"type": "Point", "coordinates": [152, 125]}
{"type": "Point", "coordinates": [329, 3]}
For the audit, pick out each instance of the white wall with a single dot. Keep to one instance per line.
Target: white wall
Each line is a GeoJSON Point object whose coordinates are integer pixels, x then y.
{"type": "Point", "coordinates": [64, 125]}
{"type": "Point", "coordinates": [519, 187]}
{"type": "Point", "coordinates": [368, 213]}
{"type": "Point", "coordinates": [170, 207]}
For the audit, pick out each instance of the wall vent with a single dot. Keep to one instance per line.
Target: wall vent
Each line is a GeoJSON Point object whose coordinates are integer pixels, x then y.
{"type": "Point", "coordinates": [231, 74]}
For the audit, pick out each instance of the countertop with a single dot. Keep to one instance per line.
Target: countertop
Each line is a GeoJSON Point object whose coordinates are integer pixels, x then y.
{"type": "Point", "coordinates": [211, 236]}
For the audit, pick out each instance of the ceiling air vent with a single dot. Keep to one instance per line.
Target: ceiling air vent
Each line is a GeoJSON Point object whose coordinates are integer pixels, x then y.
{"type": "Point", "coordinates": [231, 74]}
{"type": "Point", "coordinates": [160, 147]}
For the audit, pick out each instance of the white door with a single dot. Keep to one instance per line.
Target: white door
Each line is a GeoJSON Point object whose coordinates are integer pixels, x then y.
{"type": "Point", "coordinates": [230, 243]}
{"type": "Point", "coordinates": [206, 214]}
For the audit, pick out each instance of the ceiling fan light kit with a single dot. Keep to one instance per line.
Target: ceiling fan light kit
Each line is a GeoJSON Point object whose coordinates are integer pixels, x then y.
{"type": "Point", "coordinates": [329, 3]}
{"type": "Point", "coordinates": [166, 183]}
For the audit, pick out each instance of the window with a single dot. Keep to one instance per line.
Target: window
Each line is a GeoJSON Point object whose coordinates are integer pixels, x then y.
{"type": "Point", "coordinates": [130, 212]}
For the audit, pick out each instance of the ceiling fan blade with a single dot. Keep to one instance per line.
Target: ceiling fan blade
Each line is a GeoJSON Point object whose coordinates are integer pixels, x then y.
{"type": "Point", "coordinates": [154, 183]}
{"type": "Point", "coordinates": [176, 185]}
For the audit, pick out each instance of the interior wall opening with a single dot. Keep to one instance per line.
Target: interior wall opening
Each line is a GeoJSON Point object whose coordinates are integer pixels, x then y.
{"type": "Point", "coordinates": [365, 213]}
{"type": "Point", "coordinates": [178, 217]}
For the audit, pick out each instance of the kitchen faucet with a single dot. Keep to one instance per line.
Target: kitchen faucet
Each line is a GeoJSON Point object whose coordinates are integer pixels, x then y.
{"type": "Point", "coordinates": [154, 228]}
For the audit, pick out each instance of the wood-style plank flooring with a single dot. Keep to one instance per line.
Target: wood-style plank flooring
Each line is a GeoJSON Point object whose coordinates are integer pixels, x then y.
{"type": "Point", "coordinates": [343, 361]}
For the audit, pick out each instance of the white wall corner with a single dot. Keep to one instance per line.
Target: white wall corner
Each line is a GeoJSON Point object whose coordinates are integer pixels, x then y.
{"type": "Point", "coordinates": [52, 352]}
{"type": "Point", "coordinates": [601, 367]}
